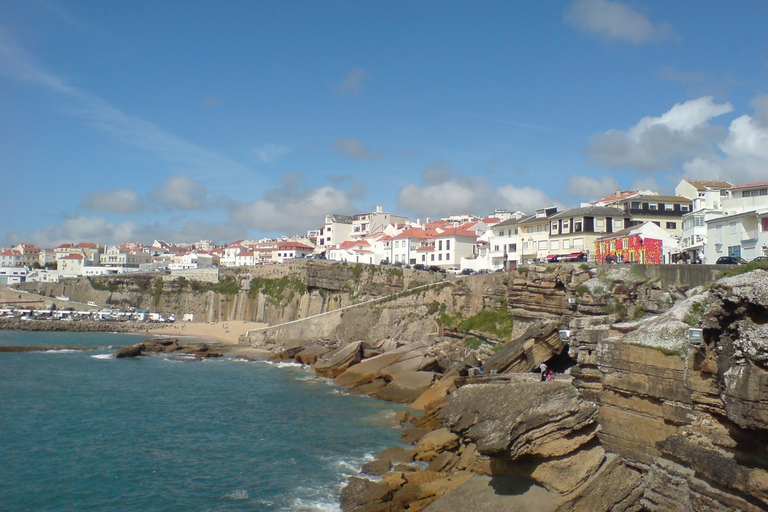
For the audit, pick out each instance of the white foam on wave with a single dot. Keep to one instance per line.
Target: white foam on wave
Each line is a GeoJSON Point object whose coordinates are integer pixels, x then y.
{"type": "Point", "coordinates": [61, 351]}
{"type": "Point", "coordinates": [238, 494]}
{"type": "Point", "coordinates": [103, 356]}
{"type": "Point", "coordinates": [314, 505]}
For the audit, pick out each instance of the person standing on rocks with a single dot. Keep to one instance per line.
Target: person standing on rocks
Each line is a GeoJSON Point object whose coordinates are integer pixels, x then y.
{"type": "Point", "coordinates": [543, 370]}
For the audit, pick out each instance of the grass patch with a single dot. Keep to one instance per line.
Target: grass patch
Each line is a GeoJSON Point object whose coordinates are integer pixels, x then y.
{"type": "Point", "coordinates": [582, 289]}
{"type": "Point", "coordinates": [472, 342]}
{"type": "Point", "coordinates": [584, 266]}
{"type": "Point", "coordinates": [498, 323]}
{"type": "Point", "coordinates": [743, 269]}
{"type": "Point", "coordinates": [274, 288]}
{"type": "Point", "coordinates": [694, 314]}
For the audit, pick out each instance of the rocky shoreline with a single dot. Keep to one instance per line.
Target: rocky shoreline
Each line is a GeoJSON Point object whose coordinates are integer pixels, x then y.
{"type": "Point", "coordinates": [642, 420]}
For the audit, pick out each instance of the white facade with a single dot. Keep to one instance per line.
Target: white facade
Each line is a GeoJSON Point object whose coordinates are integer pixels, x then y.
{"type": "Point", "coordinates": [452, 245]}
{"type": "Point", "coordinates": [335, 230]}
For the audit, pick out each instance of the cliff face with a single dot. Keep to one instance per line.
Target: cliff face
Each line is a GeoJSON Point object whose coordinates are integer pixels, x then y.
{"type": "Point", "coordinates": [645, 419]}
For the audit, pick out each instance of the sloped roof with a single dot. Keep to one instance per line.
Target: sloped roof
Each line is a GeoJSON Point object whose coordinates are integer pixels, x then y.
{"type": "Point", "coordinates": [598, 211]}
{"type": "Point", "coordinates": [416, 233]}
{"type": "Point", "coordinates": [456, 232]}
{"type": "Point", "coordinates": [708, 184]}
{"type": "Point", "coordinates": [750, 185]}
{"type": "Point", "coordinates": [341, 219]}
{"type": "Point", "coordinates": [513, 222]}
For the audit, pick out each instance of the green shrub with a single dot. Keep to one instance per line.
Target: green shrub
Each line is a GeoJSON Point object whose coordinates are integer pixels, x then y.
{"type": "Point", "coordinates": [433, 307]}
{"type": "Point", "coordinates": [582, 289]}
{"type": "Point", "coordinates": [472, 342]}
{"type": "Point", "coordinates": [498, 323]}
{"type": "Point", "coordinates": [743, 269]}
{"type": "Point", "coordinates": [227, 286]}
{"type": "Point", "coordinates": [584, 266]}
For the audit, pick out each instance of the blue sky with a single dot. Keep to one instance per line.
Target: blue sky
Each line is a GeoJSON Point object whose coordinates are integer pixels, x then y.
{"type": "Point", "coordinates": [136, 120]}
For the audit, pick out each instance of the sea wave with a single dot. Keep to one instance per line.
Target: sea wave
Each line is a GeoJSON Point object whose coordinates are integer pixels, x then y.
{"type": "Point", "coordinates": [103, 356]}
{"type": "Point", "coordinates": [61, 351]}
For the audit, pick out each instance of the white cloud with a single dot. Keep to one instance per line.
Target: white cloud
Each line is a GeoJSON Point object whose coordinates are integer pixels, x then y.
{"type": "Point", "coordinates": [354, 81]}
{"type": "Point", "coordinates": [291, 208]}
{"type": "Point", "coordinates": [526, 199]}
{"type": "Point", "coordinates": [444, 192]}
{"type": "Point", "coordinates": [591, 188]}
{"type": "Point", "coordinates": [124, 200]}
{"type": "Point", "coordinates": [80, 229]}
{"type": "Point", "coordinates": [270, 152]}
{"type": "Point", "coordinates": [616, 21]}
{"type": "Point", "coordinates": [355, 148]}
{"type": "Point", "coordinates": [658, 143]}
{"type": "Point", "coordinates": [180, 192]}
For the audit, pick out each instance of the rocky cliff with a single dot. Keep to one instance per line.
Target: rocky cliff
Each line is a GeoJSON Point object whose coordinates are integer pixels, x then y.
{"type": "Point", "coordinates": [643, 418]}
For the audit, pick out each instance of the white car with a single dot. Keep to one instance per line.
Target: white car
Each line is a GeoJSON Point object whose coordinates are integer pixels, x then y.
{"type": "Point", "coordinates": [453, 270]}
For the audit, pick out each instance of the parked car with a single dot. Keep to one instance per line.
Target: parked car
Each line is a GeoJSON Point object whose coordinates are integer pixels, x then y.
{"type": "Point", "coordinates": [419, 266]}
{"type": "Point", "coordinates": [435, 268]}
{"type": "Point", "coordinates": [454, 270]}
{"type": "Point", "coordinates": [761, 258]}
{"type": "Point", "coordinates": [467, 272]}
{"type": "Point", "coordinates": [730, 260]}
{"type": "Point", "coordinates": [384, 262]}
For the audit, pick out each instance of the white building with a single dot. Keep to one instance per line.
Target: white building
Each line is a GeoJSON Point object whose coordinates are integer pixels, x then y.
{"type": "Point", "coordinates": [413, 246]}
{"type": "Point", "coordinates": [336, 229]}
{"type": "Point", "coordinates": [451, 245]}
{"type": "Point", "coordinates": [742, 230]}
{"type": "Point", "coordinates": [365, 224]}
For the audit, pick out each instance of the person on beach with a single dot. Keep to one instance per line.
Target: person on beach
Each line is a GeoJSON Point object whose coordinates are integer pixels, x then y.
{"type": "Point", "coordinates": [543, 370]}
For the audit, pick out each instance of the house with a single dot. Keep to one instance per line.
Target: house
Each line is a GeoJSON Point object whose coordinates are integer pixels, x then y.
{"type": "Point", "coordinates": [451, 245]}
{"type": "Point", "coordinates": [365, 224]}
{"type": "Point", "coordinates": [742, 230]}
{"type": "Point", "coordinates": [534, 235]}
{"type": "Point", "coordinates": [504, 243]}
{"type": "Point", "coordinates": [13, 275]}
{"type": "Point", "coordinates": [573, 233]}
{"type": "Point", "coordinates": [664, 211]}
{"type": "Point", "coordinates": [30, 254]}
{"type": "Point", "coordinates": [72, 265]}
{"type": "Point", "coordinates": [116, 257]}
{"type": "Point", "coordinates": [244, 258]}
{"type": "Point", "coordinates": [646, 243]}
{"type": "Point", "coordinates": [11, 258]}
{"type": "Point", "coordinates": [405, 246]}
{"type": "Point", "coordinates": [290, 250]}
{"type": "Point", "coordinates": [336, 229]}
{"type": "Point", "coordinates": [707, 197]}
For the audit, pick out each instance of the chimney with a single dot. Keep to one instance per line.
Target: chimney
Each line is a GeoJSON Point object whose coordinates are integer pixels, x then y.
{"type": "Point", "coordinates": [379, 209]}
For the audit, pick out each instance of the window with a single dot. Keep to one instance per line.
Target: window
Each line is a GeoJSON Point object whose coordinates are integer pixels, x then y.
{"type": "Point", "coordinates": [423, 257]}
{"type": "Point", "coordinates": [671, 225]}
{"type": "Point", "coordinates": [501, 233]}
{"type": "Point", "coordinates": [655, 222]}
{"type": "Point", "coordinates": [529, 229]}
{"type": "Point", "coordinates": [599, 223]}
{"type": "Point", "coordinates": [513, 247]}
{"type": "Point", "coordinates": [577, 226]}
{"type": "Point", "coordinates": [447, 245]}
{"type": "Point", "coordinates": [432, 257]}
{"type": "Point", "coordinates": [653, 206]}
{"type": "Point", "coordinates": [669, 207]}
{"type": "Point", "coordinates": [539, 228]}
{"type": "Point", "coordinates": [397, 244]}
{"type": "Point", "coordinates": [440, 245]}
{"type": "Point", "coordinates": [515, 230]}
{"type": "Point", "coordinates": [578, 243]}
{"type": "Point", "coordinates": [447, 256]}
{"type": "Point", "coordinates": [684, 207]}
{"type": "Point", "coordinates": [495, 247]}
{"type": "Point", "coordinates": [617, 224]}
{"type": "Point", "coordinates": [555, 245]}
{"type": "Point", "coordinates": [328, 228]}
{"type": "Point", "coordinates": [542, 245]}
{"type": "Point", "coordinates": [439, 257]}
{"type": "Point", "coordinates": [635, 205]}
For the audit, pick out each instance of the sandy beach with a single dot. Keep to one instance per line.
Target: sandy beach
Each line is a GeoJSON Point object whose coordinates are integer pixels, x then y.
{"type": "Point", "coordinates": [225, 333]}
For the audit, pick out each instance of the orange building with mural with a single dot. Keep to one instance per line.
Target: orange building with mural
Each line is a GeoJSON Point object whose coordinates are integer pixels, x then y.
{"type": "Point", "coordinates": [629, 249]}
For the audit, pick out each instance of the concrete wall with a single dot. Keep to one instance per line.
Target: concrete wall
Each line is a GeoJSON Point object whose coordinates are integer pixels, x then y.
{"type": "Point", "coordinates": [691, 275]}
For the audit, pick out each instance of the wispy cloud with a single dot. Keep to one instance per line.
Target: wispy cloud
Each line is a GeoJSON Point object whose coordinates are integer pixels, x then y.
{"type": "Point", "coordinates": [521, 124]}
{"type": "Point", "coordinates": [355, 148]}
{"type": "Point", "coordinates": [354, 82]}
{"type": "Point", "coordinates": [270, 152]}
{"type": "Point", "coordinates": [20, 65]}
{"type": "Point", "coordinates": [616, 21]}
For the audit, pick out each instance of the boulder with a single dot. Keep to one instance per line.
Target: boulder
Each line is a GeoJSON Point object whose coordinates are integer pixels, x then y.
{"type": "Point", "coordinates": [545, 419]}
{"type": "Point", "coordinates": [565, 474]}
{"type": "Point", "coordinates": [134, 350]}
{"type": "Point", "coordinates": [361, 492]}
{"type": "Point", "coordinates": [412, 435]}
{"type": "Point", "coordinates": [367, 370]}
{"type": "Point", "coordinates": [438, 390]}
{"type": "Point", "coordinates": [438, 440]}
{"type": "Point", "coordinates": [406, 387]}
{"type": "Point", "coordinates": [336, 362]}
{"type": "Point", "coordinates": [376, 467]}
{"type": "Point", "coordinates": [311, 354]}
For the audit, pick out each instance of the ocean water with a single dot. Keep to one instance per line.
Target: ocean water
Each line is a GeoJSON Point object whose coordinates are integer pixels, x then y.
{"type": "Point", "coordinates": [84, 431]}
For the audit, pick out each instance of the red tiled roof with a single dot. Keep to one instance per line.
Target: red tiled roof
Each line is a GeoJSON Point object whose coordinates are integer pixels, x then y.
{"type": "Point", "coordinates": [456, 232]}
{"type": "Point", "coordinates": [750, 185]}
{"type": "Point", "coordinates": [86, 245]}
{"type": "Point", "coordinates": [63, 246]}
{"type": "Point", "coordinates": [490, 220]}
{"type": "Point", "coordinates": [426, 248]}
{"type": "Point", "coordinates": [73, 257]}
{"type": "Point", "coordinates": [417, 233]}
{"type": "Point", "coordinates": [294, 245]}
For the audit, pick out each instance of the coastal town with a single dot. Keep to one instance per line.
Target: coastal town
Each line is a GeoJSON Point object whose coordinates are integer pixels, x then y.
{"type": "Point", "coordinates": [705, 222]}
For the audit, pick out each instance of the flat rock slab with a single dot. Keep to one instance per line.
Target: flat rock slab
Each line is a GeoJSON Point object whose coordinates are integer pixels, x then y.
{"type": "Point", "coordinates": [494, 494]}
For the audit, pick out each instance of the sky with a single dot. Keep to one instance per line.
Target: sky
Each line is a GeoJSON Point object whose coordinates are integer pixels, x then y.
{"type": "Point", "coordinates": [135, 120]}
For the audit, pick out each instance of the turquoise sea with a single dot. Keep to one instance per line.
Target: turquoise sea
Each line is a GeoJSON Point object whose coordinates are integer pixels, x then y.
{"type": "Point", "coordinates": [84, 431]}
